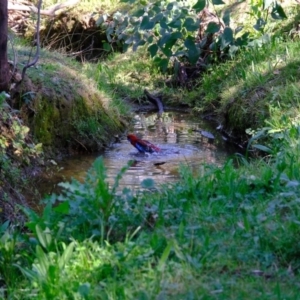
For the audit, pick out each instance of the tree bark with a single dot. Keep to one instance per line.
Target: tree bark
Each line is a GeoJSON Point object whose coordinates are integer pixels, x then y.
{"type": "Point", "coordinates": [4, 67]}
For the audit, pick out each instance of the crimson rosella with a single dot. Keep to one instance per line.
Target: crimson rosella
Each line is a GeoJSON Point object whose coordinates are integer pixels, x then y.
{"type": "Point", "coordinates": [142, 145]}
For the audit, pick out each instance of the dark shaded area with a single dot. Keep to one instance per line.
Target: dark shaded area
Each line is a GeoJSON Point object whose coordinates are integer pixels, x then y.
{"type": "Point", "coordinates": [79, 38]}
{"type": "Point", "coordinates": [4, 69]}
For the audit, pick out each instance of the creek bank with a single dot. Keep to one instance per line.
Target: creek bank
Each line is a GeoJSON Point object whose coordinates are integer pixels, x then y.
{"type": "Point", "coordinates": [56, 111]}
{"type": "Point", "coordinates": [239, 140]}
{"type": "Point", "coordinates": [64, 109]}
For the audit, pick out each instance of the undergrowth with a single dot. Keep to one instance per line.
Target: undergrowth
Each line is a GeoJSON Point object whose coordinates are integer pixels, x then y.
{"type": "Point", "coordinates": [227, 233]}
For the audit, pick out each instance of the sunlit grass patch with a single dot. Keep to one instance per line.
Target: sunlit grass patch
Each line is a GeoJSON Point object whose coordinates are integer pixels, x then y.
{"type": "Point", "coordinates": [243, 89]}
{"type": "Point", "coordinates": [87, 5]}
{"type": "Point", "coordinates": [129, 74]}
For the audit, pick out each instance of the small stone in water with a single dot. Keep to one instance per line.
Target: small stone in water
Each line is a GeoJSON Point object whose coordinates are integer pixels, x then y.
{"type": "Point", "coordinates": [207, 134]}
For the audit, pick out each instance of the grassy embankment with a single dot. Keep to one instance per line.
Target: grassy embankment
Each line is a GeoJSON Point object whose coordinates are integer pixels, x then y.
{"type": "Point", "coordinates": [58, 109]}
{"type": "Point", "coordinates": [228, 233]}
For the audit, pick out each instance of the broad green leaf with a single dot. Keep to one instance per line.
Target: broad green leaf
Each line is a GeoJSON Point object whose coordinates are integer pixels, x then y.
{"type": "Point", "coordinates": [32, 216]}
{"type": "Point", "coordinates": [158, 17]}
{"type": "Point", "coordinates": [150, 39]}
{"type": "Point", "coordinates": [213, 46]}
{"type": "Point", "coordinates": [28, 273]}
{"type": "Point", "coordinates": [106, 47]}
{"type": "Point", "coordinates": [62, 208]}
{"type": "Point", "coordinates": [44, 237]}
{"type": "Point", "coordinates": [146, 24]}
{"type": "Point", "coordinates": [262, 148]}
{"type": "Point", "coordinates": [170, 6]}
{"type": "Point", "coordinates": [199, 5]}
{"type": "Point", "coordinates": [156, 8]}
{"type": "Point", "coordinates": [63, 260]}
{"type": "Point", "coordinates": [129, 41]}
{"type": "Point", "coordinates": [243, 40]}
{"type": "Point", "coordinates": [193, 52]}
{"type": "Point", "coordinates": [193, 55]}
{"type": "Point", "coordinates": [161, 63]}
{"type": "Point", "coordinates": [189, 42]}
{"type": "Point", "coordinates": [226, 17]}
{"type": "Point", "coordinates": [171, 42]}
{"type": "Point", "coordinates": [278, 12]}
{"type": "Point", "coordinates": [148, 183]}
{"type": "Point", "coordinates": [175, 24]}
{"type": "Point", "coordinates": [164, 39]}
{"type": "Point", "coordinates": [176, 35]}
{"type": "Point", "coordinates": [164, 64]}
{"type": "Point", "coordinates": [217, 2]}
{"type": "Point", "coordinates": [138, 13]}
{"type": "Point", "coordinates": [260, 24]}
{"type": "Point", "coordinates": [190, 24]}
{"type": "Point", "coordinates": [212, 27]}
{"type": "Point", "coordinates": [167, 51]}
{"type": "Point", "coordinates": [227, 37]}
{"type": "Point", "coordinates": [138, 44]}
{"type": "Point", "coordinates": [43, 262]}
{"type": "Point", "coordinates": [163, 24]}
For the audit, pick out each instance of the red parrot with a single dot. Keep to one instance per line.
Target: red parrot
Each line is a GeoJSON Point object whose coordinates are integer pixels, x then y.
{"type": "Point", "coordinates": [142, 145]}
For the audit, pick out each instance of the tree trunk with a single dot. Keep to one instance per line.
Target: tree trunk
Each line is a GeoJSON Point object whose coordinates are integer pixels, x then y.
{"type": "Point", "coordinates": [4, 68]}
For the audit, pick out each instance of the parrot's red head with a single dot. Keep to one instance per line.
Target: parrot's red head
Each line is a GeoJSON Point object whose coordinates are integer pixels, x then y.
{"type": "Point", "coordinates": [131, 137]}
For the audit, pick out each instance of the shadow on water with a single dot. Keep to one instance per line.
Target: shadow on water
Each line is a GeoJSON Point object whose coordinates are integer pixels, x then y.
{"type": "Point", "coordinates": [174, 133]}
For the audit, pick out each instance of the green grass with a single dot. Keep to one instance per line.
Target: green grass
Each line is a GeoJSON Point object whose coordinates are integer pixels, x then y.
{"type": "Point", "coordinates": [128, 74]}
{"type": "Point", "coordinates": [249, 90]}
{"type": "Point", "coordinates": [227, 233]}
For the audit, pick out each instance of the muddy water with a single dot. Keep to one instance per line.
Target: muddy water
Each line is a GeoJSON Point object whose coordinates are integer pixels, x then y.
{"type": "Point", "coordinates": [174, 133]}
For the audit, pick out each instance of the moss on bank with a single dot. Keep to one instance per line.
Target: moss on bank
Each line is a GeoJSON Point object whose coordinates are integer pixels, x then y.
{"type": "Point", "coordinates": [59, 108]}
{"type": "Point", "coordinates": [63, 107]}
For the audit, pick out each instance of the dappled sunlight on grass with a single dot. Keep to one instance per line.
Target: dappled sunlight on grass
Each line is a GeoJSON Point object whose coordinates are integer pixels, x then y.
{"type": "Point", "coordinates": [244, 88]}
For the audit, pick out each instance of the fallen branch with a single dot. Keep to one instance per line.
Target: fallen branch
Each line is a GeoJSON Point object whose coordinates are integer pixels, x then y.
{"type": "Point", "coordinates": [156, 101]}
{"type": "Point", "coordinates": [37, 54]}
{"type": "Point", "coordinates": [80, 144]}
{"type": "Point", "coordinates": [51, 11]}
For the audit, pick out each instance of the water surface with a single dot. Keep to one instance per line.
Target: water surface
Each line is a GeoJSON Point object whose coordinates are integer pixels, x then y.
{"type": "Point", "coordinates": [177, 134]}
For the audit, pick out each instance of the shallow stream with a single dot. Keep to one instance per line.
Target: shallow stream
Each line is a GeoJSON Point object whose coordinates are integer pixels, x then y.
{"type": "Point", "coordinates": [181, 137]}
